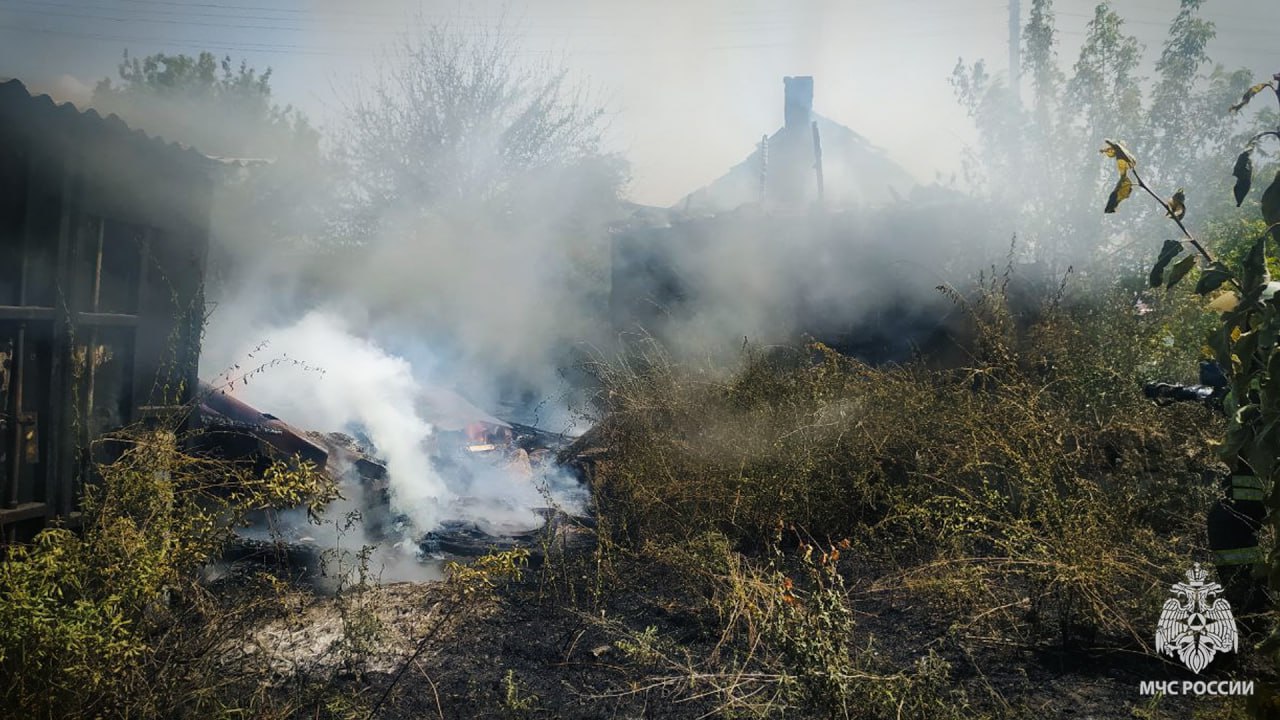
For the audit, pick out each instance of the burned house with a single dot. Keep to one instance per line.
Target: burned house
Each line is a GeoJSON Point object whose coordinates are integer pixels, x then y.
{"type": "Point", "coordinates": [794, 226]}
{"type": "Point", "coordinates": [809, 159]}
{"type": "Point", "coordinates": [103, 239]}
{"type": "Point", "coordinates": [772, 278]}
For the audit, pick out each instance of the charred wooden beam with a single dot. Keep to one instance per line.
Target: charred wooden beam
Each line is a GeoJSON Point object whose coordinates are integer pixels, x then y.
{"type": "Point", "coordinates": [102, 319]}
{"type": "Point", "coordinates": [226, 415]}
{"type": "Point", "coordinates": [25, 313]}
{"type": "Point", "coordinates": [23, 511]}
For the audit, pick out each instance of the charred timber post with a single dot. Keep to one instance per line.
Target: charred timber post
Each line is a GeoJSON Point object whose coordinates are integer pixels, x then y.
{"type": "Point", "coordinates": [195, 223]}
{"type": "Point", "coordinates": [91, 351]}
{"type": "Point", "coordinates": [764, 167]}
{"type": "Point", "coordinates": [136, 397]}
{"type": "Point", "coordinates": [15, 380]}
{"type": "Point", "coordinates": [17, 361]}
{"type": "Point", "coordinates": [17, 419]}
{"type": "Point", "coordinates": [62, 443]}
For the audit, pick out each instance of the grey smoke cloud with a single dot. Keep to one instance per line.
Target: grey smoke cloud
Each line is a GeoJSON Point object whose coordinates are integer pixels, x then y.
{"type": "Point", "coordinates": [691, 83]}
{"type": "Point", "coordinates": [327, 378]}
{"type": "Point", "coordinates": [472, 300]}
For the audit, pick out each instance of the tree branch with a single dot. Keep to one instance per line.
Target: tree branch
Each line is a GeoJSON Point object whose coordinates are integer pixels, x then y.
{"type": "Point", "coordinates": [1164, 204]}
{"type": "Point", "coordinates": [1261, 135]}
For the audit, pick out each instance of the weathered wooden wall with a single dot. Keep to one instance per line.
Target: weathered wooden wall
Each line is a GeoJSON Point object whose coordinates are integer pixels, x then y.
{"type": "Point", "coordinates": [103, 240]}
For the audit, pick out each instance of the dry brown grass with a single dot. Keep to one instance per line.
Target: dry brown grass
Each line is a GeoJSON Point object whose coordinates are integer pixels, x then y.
{"type": "Point", "coordinates": [1031, 493]}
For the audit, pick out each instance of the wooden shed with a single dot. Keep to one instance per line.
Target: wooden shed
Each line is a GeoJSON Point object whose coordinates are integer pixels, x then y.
{"type": "Point", "coordinates": [103, 239]}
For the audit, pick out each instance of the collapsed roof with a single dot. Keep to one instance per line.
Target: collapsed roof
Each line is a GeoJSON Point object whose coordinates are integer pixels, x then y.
{"type": "Point", "coordinates": [781, 170]}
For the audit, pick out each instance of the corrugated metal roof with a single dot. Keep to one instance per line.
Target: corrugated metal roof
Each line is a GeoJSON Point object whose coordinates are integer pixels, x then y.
{"type": "Point", "coordinates": [14, 94]}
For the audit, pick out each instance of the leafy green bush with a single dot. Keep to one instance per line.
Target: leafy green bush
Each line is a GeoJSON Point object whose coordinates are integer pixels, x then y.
{"type": "Point", "coordinates": [111, 619]}
{"type": "Point", "coordinates": [1245, 337]}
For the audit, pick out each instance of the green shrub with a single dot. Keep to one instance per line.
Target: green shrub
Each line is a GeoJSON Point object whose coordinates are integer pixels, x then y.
{"type": "Point", "coordinates": [111, 619]}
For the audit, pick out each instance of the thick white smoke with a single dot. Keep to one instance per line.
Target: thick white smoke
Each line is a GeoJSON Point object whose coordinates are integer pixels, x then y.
{"type": "Point", "coordinates": [323, 377]}
{"type": "Point", "coordinates": [317, 374]}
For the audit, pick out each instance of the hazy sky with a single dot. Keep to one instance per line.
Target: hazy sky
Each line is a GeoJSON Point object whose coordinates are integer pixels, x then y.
{"type": "Point", "coordinates": [691, 84]}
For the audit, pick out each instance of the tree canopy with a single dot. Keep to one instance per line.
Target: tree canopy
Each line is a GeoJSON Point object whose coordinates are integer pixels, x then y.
{"type": "Point", "coordinates": [214, 105]}
{"type": "Point", "coordinates": [460, 119]}
{"type": "Point", "coordinates": [1029, 157]}
{"type": "Point", "coordinates": [277, 203]}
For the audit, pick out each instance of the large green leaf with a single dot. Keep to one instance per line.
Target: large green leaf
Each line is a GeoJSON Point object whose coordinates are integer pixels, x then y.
{"type": "Point", "coordinates": [1269, 325]}
{"type": "Point", "coordinates": [1168, 252]}
{"type": "Point", "coordinates": [1243, 173]}
{"type": "Point", "coordinates": [1271, 207]}
{"type": "Point", "coordinates": [1220, 343]}
{"type": "Point", "coordinates": [1122, 190]}
{"type": "Point", "coordinates": [1212, 278]}
{"type": "Point", "coordinates": [1261, 454]}
{"type": "Point", "coordinates": [1246, 352]}
{"type": "Point", "coordinates": [1180, 270]}
{"type": "Point", "coordinates": [1271, 389]}
{"type": "Point", "coordinates": [1239, 431]}
{"type": "Point", "coordinates": [1255, 276]}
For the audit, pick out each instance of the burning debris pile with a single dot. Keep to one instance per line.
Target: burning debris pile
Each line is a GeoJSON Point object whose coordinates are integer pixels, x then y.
{"type": "Point", "coordinates": [510, 482]}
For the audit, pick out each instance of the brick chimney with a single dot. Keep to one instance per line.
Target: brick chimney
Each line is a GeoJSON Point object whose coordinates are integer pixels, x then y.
{"type": "Point", "coordinates": [798, 108]}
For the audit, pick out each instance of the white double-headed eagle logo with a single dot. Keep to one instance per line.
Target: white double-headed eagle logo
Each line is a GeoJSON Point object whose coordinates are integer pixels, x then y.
{"type": "Point", "coordinates": [1193, 629]}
